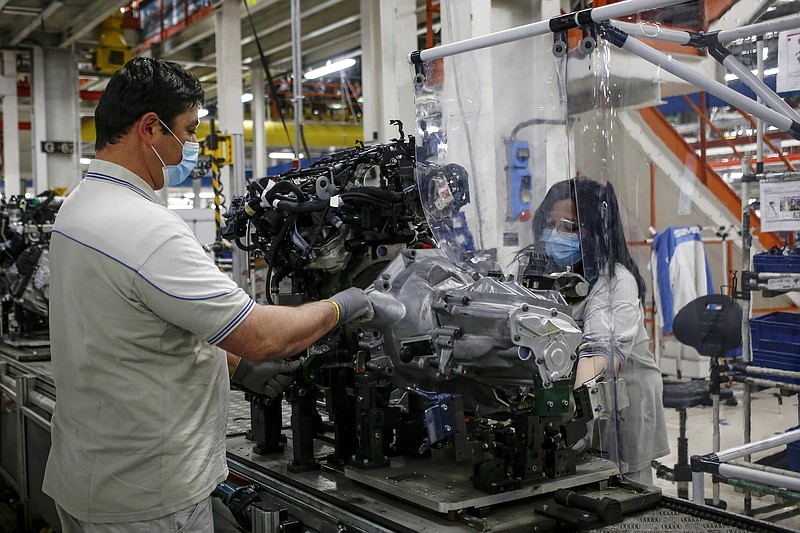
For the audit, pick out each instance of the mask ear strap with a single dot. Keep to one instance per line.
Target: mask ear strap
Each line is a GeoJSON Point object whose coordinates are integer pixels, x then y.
{"type": "Point", "coordinates": [158, 156]}
{"type": "Point", "coordinates": [170, 130]}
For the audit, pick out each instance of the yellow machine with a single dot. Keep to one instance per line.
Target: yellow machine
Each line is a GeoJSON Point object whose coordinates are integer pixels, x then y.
{"type": "Point", "coordinates": [112, 50]}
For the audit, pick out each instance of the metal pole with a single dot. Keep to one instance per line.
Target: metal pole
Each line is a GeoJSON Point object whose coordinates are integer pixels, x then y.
{"type": "Point", "coordinates": [756, 83]}
{"type": "Point", "coordinates": [765, 468]}
{"type": "Point", "coordinates": [652, 31]}
{"type": "Point", "coordinates": [297, 71]}
{"type": "Point", "coordinates": [570, 20]}
{"type": "Point", "coordinates": [698, 488]}
{"type": "Point", "coordinates": [715, 446]}
{"type": "Point", "coordinates": [746, 305]}
{"type": "Point", "coordinates": [746, 449]}
{"type": "Point", "coordinates": [767, 478]}
{"type": "Point", "coordinates": [775, 25]}
{"type": "Point", "coordinates": [8, 94]}
{"type": "Point", "coordinates": [725, 260]}
{"type": "Point", "coordinates": [719, 90]}
{"type": "Point", "coordinates": [231, 112]}
{"type": "Point", "coordinates": [259, 156]}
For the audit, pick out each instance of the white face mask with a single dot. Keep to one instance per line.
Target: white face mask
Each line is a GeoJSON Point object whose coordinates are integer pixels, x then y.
{"type": "Point", "coordinates": [176, 174]}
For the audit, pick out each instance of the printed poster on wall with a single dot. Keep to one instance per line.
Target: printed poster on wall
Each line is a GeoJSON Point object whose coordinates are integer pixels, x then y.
{"type": "Point", "coordinates": [788, 61]}
{"type": "Point", "coordinates": [780, 206]}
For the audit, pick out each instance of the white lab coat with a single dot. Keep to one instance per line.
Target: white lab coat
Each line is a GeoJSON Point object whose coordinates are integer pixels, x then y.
{"type": "Point", "coordinates": [612, 320]}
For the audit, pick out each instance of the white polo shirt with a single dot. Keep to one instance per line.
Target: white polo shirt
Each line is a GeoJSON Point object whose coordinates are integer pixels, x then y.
{"type": "Point", "coordinates": [141, 392]}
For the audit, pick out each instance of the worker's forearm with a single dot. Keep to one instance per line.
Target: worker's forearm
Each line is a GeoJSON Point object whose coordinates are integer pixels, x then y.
{"type": "Point", "coordinates": [591, 367]}
{"type": "Point", "coordinates": [272, 332]}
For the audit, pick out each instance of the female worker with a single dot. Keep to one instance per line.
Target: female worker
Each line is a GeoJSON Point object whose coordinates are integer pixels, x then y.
{"type": "Point", "coordinates": [580, 224]}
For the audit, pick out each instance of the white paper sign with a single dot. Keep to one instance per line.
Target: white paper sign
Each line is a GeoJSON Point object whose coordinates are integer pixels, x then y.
{"type": "Point", "coordinates": [788, 61]}
{"type": "Point", "coordinates": [780, 206]}
{"type": "Point", "coordinates": [785, 283]}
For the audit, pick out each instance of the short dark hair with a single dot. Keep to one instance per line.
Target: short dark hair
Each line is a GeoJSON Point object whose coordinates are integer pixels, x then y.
{"type": "Point", "coordinates": [602, 236]}
{"type": "Point", "coordinates": [143, 85]}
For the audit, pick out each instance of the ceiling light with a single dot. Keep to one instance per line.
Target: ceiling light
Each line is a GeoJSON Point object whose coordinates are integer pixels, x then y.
{"type": "Point", "coordinates": [769, 72]}
{"type": "Point", "coordinates": [283, 155]}
{"type": "Point", "coordinates": [247, 97]}
{"type": "Point", "coordinates": [329, 68]}
{"type": "Point", "coordinates": [202, 112]}
{"type": "Point", "coordinates": [85, 160]}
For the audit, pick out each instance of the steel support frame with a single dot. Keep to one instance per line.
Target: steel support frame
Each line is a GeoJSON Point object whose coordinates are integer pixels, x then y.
{"type": "Point", "coordinates": [718, 464]}
{"type": "Point", "coordinates": [783, 118]}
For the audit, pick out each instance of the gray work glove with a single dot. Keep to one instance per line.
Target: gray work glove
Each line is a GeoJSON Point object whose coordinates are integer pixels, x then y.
{"type": "Point", "coordinates": [353, 304]}
{"type": "Point", "coordinates": [269, 378]}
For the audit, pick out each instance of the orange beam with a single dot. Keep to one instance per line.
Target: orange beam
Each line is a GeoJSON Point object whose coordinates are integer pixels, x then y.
{"type": "Point", "coordinates": [774, 148]}
{"type": "Point", "coordinates": [24, 91]}
{"type": "Point", "coordinates": [704, 120]}
{"type": "Point", "coordinates": [714, 9]}
{"type": "Point", "coordinates": [716, 185]}
{"type": "Point", "coordinates": [430, 9]}
{"type": "Point", "coordinates": [771, 159]}
{"type": "Point", "coordinates": [742, 139]}
{"type": "Point", "coordinates": [784, 309]}
{"type": "Point", "coordinates": [22, 126]}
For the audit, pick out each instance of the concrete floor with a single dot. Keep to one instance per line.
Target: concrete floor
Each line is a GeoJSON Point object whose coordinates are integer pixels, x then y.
{"type": "Point", "coordinates": [771, 414]}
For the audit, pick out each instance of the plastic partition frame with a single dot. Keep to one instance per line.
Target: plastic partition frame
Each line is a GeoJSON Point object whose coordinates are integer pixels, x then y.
{"type": "Point", "coordinates": [717, 463]}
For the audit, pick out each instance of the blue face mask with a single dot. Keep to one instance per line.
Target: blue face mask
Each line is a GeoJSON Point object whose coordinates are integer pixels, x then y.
{"type": "Point", "coordinates": [174, 175]}
{"type": "Point", "coordinates": [564, 248]}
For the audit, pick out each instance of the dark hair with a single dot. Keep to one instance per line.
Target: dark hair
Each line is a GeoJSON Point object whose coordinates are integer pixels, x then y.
{"type": "Point", "coordinates": [143, 85]}
{"type": "Point", "coordinates": [602, 236]}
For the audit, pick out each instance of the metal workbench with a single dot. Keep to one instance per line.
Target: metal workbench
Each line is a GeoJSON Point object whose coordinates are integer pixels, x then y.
{"type": "Point", "coordinates": [327, 499]}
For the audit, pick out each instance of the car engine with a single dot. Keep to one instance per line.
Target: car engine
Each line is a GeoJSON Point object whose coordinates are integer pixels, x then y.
{"type": "Point", "coordinates": [455, 362]}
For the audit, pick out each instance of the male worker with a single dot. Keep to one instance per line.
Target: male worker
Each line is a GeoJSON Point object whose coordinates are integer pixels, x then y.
{"type": "Point", "coordinates": [139, 319]}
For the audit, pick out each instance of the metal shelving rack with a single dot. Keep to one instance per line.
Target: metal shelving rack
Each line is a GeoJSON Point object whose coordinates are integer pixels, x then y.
{"type": "Point", "coordinates": [728, 463]}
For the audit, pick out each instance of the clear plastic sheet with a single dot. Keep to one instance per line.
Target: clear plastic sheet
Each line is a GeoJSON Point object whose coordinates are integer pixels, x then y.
{"type": "Point", "coordinates": [502, 133]}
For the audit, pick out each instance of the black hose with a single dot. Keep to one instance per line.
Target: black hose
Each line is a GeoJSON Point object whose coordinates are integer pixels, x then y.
{"type": "Point", "coordinates": [302, 207]}
{"type": "Point", "coordinates": [237, 228]}
{"type": "Point", "coordinates": [284, 187]}
{"type": "Point", "coordinates": [366, 199]}
{"type": "Point", "coordinates": [378, 193]}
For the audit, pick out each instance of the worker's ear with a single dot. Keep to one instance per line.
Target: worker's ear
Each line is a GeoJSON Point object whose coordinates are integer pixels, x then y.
{"type": "Point", "coordinates": [147, 126]}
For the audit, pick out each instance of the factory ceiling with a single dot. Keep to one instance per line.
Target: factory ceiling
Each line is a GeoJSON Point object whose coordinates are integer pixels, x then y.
{"type": "Point", "coordinates": [184, 31]}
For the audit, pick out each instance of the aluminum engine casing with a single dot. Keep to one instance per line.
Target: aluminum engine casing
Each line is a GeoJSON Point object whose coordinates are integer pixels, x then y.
{"type": "Point", "coordinates": [438, 328]}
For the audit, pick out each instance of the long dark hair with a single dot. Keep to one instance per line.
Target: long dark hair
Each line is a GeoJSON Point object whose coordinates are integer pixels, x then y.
{"type": "Point", "coordinates": [602, 236]}
{"type": "Point", "coordinates": [143, 85]}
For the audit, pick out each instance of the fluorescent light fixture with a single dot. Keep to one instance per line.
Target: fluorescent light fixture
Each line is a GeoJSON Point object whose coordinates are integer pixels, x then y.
{"type": "Point", "coordinates": [202, 112]}
{"type": "Point", "coordinates": [329, 68]}
{"type": "Point", "coordinates": [179, 203]}
{"type": "Point", "coordinates": [247, 97]}
{"type": "Point", "coordinates": [85, 160]}
{"type": "Point", "coordinates": [283, 155]}
{"type": "Point", "coordinates": [769, 72]}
